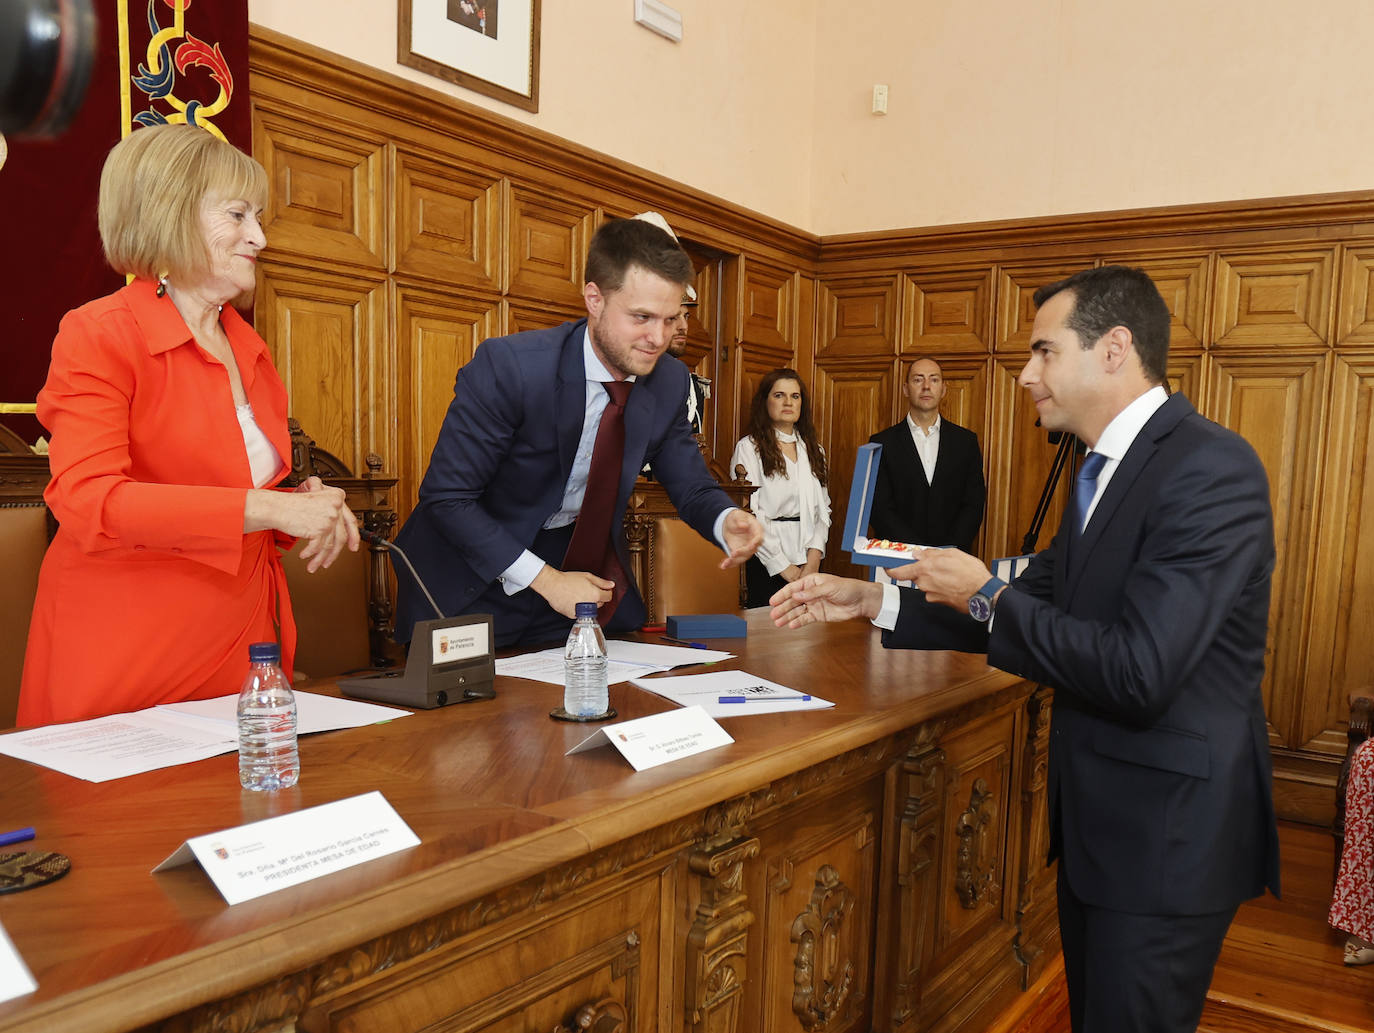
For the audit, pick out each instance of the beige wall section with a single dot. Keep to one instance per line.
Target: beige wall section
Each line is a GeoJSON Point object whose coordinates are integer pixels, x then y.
{"type": "Point", "coordinates": [1004, 109]}
{"type": "Point", "coordinates": [999, 109]}
{"type": "Point", "coordinates": [727, 110]}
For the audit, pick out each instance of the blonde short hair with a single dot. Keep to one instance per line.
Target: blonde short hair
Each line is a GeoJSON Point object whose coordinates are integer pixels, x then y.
{"type": "Point", "coordinates": [151, 191]}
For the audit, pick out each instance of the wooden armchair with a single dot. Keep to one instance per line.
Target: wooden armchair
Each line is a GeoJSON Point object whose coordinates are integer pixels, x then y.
{"type": "Point", "coordinates": [1361, 714]}
{"type": "Point", "coordinates": [26, 528]}
{"type": "Point", "coordinates": [344, 614]}
{"type": "Point", "coordinates": [677, 571]}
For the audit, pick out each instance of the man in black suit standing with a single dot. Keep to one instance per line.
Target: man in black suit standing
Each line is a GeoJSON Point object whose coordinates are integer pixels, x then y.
{"type": "Point", "coordinates": [1147, 615]}
{"type": "Point", "coordinates": [930, 488]}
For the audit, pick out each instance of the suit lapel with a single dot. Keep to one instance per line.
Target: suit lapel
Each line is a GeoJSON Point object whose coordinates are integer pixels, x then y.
{"type": "Point", "coordinates": [570, 397]}
{"type": "Point", "coordinates": [944, 455]}
{"type": "Point", "coordinates": [1164, 420]}
{"type": "Point", "coordinates": [912, 458]}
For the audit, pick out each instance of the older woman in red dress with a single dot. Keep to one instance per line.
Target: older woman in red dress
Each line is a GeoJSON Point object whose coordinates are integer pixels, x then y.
{"type": "Point", "coordinates": [168, 426]}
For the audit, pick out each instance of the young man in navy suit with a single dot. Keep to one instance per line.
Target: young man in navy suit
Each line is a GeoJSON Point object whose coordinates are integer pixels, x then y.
{"type": "Point", "coordinates": [501, 501]}
{"type": "Point", "coordinates": [1147, 615]}
{"type": "Point", "coordinates": [930, 488]}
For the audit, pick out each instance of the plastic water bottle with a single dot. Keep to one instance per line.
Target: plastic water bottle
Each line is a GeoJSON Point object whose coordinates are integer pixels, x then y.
{"type": "Point", "coordinates": [267, 723]}
{"type": "Point", "coordinates": [584, 666]}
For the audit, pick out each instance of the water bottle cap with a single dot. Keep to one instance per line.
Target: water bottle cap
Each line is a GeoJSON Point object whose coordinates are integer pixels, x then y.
{"type": "Point", "coordinates": [586, 610]}
{"type": "Point", "coordinates": [264, 653]}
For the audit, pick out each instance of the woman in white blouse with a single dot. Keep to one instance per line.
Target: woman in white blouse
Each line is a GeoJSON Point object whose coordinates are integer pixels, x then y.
{"type": "Point", "coordinates": [780, 455]}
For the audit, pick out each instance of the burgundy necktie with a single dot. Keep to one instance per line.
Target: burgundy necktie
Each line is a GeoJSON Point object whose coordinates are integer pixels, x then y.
{"type": "Point", "coordinates": [592, 547]}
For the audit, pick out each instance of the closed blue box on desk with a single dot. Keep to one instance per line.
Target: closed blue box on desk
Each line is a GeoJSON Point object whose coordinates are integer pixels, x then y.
{"type": "Point", "coordinates": [707, 625]}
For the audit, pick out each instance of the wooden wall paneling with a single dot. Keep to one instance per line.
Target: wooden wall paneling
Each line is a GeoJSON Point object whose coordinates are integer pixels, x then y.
{"type": "Point", "coordinates": [769, 316]}
{"type": "Point", "coordinates": [804, 355]}
{"type": "Point", "coordinates": [967, 404]}
{"type": "Point", "coordinates": [767, 335]}
{"type": "Point", "coordinates": [521, 314]}
{"type": "Point", "coordinates": [726, 407]}
{"type": "Point", "coordinates": [1341, 651]}
{"type": "Point", "coordinates": [1017, 283]}
{"type": "Point", "coordinates": [1018, 456]}
{"type": "Point", "coordinates": [1182, 280]}
{"type": "Point", "coordinates": [1187, 374]}
{"type": "Point", "coordinates": [946, 312]}
{"type": "Point", "coordinates": [1273, 299]}
{"type": "Point", "coordinates": [327, 335]}
{"type": "Point", "coordinates": [966, 393]}
{"type": "Point", "coordinates": [327, 183]}
{"type": "Point", "coordinates": [448, 221]}
{"type": "Point", "coordinates": [850, 396]}
{"type": "Point", "coordinates": [546, 245]}
{"type": "Point", "coordinates": [856, 316]}
{"type": "Point", "coordinates": [1355, 306]}
{"type": "Point", "coordinates": [436, 334]}
{"type": "Point", "coordinates": [1276, 402]}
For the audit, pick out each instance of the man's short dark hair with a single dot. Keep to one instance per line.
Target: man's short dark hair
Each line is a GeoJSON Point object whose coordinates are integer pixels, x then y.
{"type": "Point", "coordinates": [1116, 295]}
{"type": "Point", "coordinates": [622, 243]}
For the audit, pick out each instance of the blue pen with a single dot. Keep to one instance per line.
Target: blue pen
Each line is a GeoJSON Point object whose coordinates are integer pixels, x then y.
{"type": "Point", "coordinates": [17, 836]}
{"type": "Point", "coordinates": [684, 642]}
{"type": "Point", "coordinates": [761, 699]}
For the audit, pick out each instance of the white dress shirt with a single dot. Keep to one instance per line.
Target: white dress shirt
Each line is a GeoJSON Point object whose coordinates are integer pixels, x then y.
{"type": "Point", "coordinates": [927, 444]}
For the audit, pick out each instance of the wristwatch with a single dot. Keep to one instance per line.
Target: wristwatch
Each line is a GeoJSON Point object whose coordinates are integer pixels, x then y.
{"type": "Point", "coordinates": [980, 603]}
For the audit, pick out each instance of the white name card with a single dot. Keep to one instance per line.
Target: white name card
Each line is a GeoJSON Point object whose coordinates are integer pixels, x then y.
{"type": "Point", "coordinates": [647, 742]}
{"type": "Point", "coordinates": [15, 978]}
{"type": "Point", "coordinates": [256, 859]}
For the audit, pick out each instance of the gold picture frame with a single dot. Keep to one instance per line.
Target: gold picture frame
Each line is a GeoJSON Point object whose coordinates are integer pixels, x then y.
{"type": "Point", "coordinates": [488, 46]}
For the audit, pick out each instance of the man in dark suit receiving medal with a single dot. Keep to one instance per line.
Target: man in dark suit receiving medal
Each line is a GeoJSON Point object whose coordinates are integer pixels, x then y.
{"type": "Point", "coordinates": [1147, 615]}
{"type": "Point", "coordinates": [930, 488]}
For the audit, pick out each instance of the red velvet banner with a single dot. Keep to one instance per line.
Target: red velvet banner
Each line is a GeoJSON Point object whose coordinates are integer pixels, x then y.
{"type": "Point", "coordinates": [156, 61]}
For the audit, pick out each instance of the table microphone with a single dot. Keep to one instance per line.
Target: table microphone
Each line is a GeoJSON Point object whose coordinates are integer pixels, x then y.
{"type": "Point", "coordinates": [372, 538]}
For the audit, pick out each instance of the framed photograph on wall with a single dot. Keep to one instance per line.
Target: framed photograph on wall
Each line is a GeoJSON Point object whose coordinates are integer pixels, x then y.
{"type": "Point", "coordinates": [488, 46]}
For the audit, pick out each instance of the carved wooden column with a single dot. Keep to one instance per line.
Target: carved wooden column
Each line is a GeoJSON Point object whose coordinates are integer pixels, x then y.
{"type": "Point", "coordinates": [918, 843]}
{"type": "Point", "coordinates": [1036, 923]}
{"type": "Point", "coordinates": [717, 945]}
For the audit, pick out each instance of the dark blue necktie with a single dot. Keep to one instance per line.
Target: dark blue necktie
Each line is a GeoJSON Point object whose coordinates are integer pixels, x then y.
{"type": "Point", "coordinates": [1084, 488]}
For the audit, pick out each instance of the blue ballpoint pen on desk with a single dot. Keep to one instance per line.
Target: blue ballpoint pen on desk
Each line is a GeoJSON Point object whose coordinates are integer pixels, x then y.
{"type": "Point", "coordinates": [761, 699]}
{"type": "Point", "coordinates": [17, 836]}
{"type": "Point", "coordinates": [684, 642]}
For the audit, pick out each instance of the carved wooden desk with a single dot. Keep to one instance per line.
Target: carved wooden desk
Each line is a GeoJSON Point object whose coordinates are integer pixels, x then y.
{"type": "Point", "coordinates": [878, 865]}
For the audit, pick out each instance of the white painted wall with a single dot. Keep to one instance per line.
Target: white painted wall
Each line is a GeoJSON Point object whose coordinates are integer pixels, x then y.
{"type": "Point", "coordinates": [998, 109]}
{"type": "Point", "coordinates": [613, 86]}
